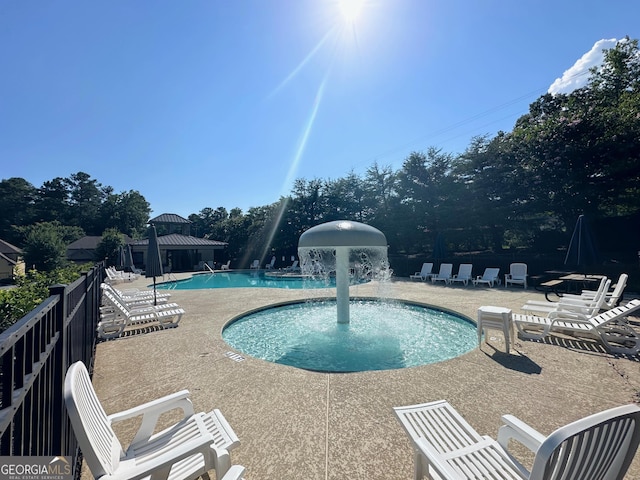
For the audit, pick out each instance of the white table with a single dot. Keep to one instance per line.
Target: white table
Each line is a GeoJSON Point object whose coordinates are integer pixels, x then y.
{"type": "Point", "coordinates": [495, 318]}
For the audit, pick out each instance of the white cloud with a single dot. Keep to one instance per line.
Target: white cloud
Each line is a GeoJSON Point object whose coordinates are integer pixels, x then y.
{"type": "Point", "coordinates": [578, 74]}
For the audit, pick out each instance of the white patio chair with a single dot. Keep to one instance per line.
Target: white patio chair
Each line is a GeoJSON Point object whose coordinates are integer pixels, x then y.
{"type": "Point", "coordinates": [139, 299]}
{"type": "Point", "coordinates": [517, 275]}
{"type": "Point", "coordinates": [270, 265]}
{"type": "Point", "coordinates": [585, 306]}
{"type": "Point", "coordinates": [198, 443]}
{"type": "Point", "coordinates": [444, 274]}
{"type": "Point", "coordinates": [491, 277]}
{"type": "Point", "coordinates": [464, 274]}
{"type": "Point", "coordinates": [255, 265]}
{"type": "Point", "coordinates": [612, 299]}
{"type": "Point", "coordinates": [225, 266]}
{"type": "Point", "coordinates": [609, 327]}
{"type": "Point", "coordinates": [294, 267]}
{"type": "Point", "coordinates": [424, 273]}
{"type": "Point", "coordinates": [600, 446]}
{"type": "Point", "coordinates": [116, 317]}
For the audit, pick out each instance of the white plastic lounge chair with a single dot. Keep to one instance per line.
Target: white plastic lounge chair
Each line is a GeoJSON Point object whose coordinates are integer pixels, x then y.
{"type": "Point", "coordinates": [612, 299]}
{"type": "Point", "coordinates": [424, 274]}
{"type": "Point", "coordinates": [255, 265]}
{"type": "Point", "coordinates": [198, 443]}
{"type": "Point", "coordinates": [609, 327]}
{"type": "Point", "coordinates": [270, 265]}
{"type": "Point", "coordinates": [517, 275]}
{"type": "Point", "coordinates": [133, 301]}
{"type": "Point", "coordinates": [225, 266]}
{"type": "Point", "coordinates": [444, 274]}
{"type": "Point", "coordinates": [293, 267]}
{"type": "Point", "coordinates": [464, 274]}
{"type": "Point", "coordinates": [599, 446]}
{"type": "Point", "coordinates": [116, 276]}
{"type": "Point", "coordinates": [135, 293]}
{"type": "Point", "coordinates": [584, 306]}
{"type": "Point", "coordinates": [117, 317]}
{"type": "Point", "coordinates": [491, 277]}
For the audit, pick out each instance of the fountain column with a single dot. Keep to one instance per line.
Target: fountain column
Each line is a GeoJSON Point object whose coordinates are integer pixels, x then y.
{"type": "Point", "coordinates": [342, 283]}
{"type": "Point", "coordinates": [341, 237]}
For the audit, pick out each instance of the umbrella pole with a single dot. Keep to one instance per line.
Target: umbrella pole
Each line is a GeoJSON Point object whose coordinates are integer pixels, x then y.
{"type": "Point", "coordinates": [155, 300]}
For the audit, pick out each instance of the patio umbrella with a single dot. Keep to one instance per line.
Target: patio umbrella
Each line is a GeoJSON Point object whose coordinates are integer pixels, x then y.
{"type": "Point", "coordinates": [128, 259]}
{"type": "Point", "coordinates": [120, 257]}
{"type": "Point", "coordinates": [582, 251]}
{"type": "Point", "coordinates": [154, 263]}
{"type": "Point", "coordinates": [439, 249]}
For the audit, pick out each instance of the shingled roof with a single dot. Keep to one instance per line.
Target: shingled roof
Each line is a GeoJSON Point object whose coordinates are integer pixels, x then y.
{"type": "Point", "coordinates": [6, 247]}
{"type": "Point", "coordinates": [169, 218]}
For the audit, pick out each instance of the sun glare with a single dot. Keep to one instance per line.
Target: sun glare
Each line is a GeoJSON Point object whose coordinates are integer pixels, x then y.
{"type": "Point", "coordinates": [350, 9]}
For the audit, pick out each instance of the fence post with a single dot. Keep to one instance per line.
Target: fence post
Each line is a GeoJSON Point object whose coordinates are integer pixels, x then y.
{"type": "Point", "coordinates": [59, 370]}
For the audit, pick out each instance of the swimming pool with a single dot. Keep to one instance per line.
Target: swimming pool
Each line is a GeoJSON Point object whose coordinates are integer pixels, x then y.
{"type": "Point", "coordinates": [246, 280]}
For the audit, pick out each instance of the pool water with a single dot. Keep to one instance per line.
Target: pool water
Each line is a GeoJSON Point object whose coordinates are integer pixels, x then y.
{"type": "Point", "coordinates": [381, 335]}
{"type": "Point", "coordinates": [246, 280]}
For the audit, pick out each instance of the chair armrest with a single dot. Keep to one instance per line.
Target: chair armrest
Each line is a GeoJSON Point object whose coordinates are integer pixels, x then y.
{"type": "Point", "coordinates": [160, 466]}
{"type": "Point", "coordinates": [516, 429]}
{"type": "Point", "coordinates": [568, 315]}
{"type": "Point", "coordinates": [151, 412]}
{"type": "Point", "coordinates": [234, 473]}
{"type": "Point", "coordinates": [435, 460]}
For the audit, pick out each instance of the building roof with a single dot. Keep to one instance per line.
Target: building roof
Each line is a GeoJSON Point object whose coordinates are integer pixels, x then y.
{"type": "Point", "coordinates": [6, 247]}
{"type": "Point", "coordinates": [8, 260]}
{"type": "Point", "coordinates": [178, 240]}
{"type": "Point", "coordinates": [169, 218]}
{"type": "Point", "coordinates": [90, 242]}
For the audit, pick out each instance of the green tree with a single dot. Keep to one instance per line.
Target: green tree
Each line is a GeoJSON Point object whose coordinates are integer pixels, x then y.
{"type": "Point", "coordinates": [17, 199]}
{"type": "Point", "coordinates": [45, 244]}
{"type": "Point", "coordinates": [127, 212]}
{"type": "Point", "coordinates": [53, 201]}
{"type": "Point", "coordinates": [85, 200]}
{"type": "Point", "coordinates": [109, 247]}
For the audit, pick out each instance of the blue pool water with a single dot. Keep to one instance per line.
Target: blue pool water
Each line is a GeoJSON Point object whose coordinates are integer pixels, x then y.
{"type": "Point", "coordinates": [380, 336]}
{"type": "Point", "coordinates": [245, 279]}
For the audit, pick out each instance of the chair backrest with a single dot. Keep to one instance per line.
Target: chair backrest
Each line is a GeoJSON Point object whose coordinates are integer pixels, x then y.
{"type": "Point", "coordinates": [491, 273]}
{"type": "Point", "coordinates": [615, 314]}
{"type": "Point", "coordinates": [445, 270]}
{"type": "Point", "coordinates": [597, 447]}
{"type": "Point", "coordinates": [616, 295]}
{"type": "Point", "coordinates": [518, 271]}
{"type": "Point", "coordinates": [599, 299]}
{"type": "Point", "coordinates": [255, 263]}
{"type": "Point", "coordinates": [464, 270]}
{"type": "Point", "coordinates": [294, 264]}
{"type": "Point", "coordinates": [97, 440]}
{"type": "Point", "coordinates": [426, 269]}
{"type": "Point", "coordinates": [116, 303]}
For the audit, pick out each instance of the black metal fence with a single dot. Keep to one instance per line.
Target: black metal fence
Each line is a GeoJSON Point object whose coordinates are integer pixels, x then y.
{"type": "Point", "coordinates": [35, 354]}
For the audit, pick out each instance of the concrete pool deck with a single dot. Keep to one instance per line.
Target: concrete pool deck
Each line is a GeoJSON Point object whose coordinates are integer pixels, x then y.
{"type": "Point", "coordinates": [296, 424]}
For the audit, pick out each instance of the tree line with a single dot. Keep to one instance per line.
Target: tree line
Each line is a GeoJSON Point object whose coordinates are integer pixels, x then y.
{"type": "Point", "coordinates": [44, 220]}
{"type": "Point", "coordinates": [571, 154]}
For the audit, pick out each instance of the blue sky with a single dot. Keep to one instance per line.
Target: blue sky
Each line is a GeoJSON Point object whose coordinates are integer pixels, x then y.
{"type": "Point", "coordinates": [224, 103]}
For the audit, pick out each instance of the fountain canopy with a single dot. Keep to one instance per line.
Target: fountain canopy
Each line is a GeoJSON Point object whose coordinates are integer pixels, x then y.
{"type": "Point", "coordinates": [342, 233]}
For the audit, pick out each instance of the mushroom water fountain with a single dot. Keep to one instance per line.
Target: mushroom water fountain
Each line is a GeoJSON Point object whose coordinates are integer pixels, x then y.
{"type": "Point", "coordinates": [344, 248]}
{"type": "Point", "coordinates": [371, 332]}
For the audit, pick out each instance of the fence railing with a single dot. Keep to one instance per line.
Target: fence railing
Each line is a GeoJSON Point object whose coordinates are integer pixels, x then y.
{"type": "Point", "coordinates": [35, 354]}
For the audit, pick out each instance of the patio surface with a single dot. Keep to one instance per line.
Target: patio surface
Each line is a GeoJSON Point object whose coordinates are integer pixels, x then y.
{"type": "Point", "coordinates": [296, 424]}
